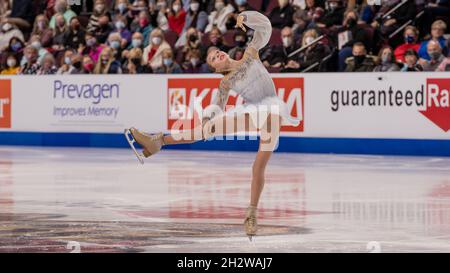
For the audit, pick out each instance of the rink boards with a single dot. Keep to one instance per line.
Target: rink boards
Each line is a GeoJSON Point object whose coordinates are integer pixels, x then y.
{"type": "Point", "coordinates": [373, 113]}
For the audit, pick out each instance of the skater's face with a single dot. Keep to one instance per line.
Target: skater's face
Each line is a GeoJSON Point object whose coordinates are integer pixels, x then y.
{"type": "Point", "coordinates": [218, 60]}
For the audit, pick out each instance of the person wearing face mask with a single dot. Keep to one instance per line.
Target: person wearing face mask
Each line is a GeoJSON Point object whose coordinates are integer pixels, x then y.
{"type": "Point", "coordinates": [170, 66]}
{"type": "Point", "coordinates": [282, 15]}
{"type": "Point", "coordinates": [11, 66]}
{"type": "Point", "coordinates": [15, 47]}
{"type": "Point", "coordinates": [35, 41]}
{"type": "Point", "coordinates": [120, 26]}
{"type": "Point", "coordinates": [193, 62]}
{"type": "Point", "coordinates": [62, 8]}
{"type": "Point", "coordinates": [219, 16]}
{"type": "Point", "coordinates": [438, 29]}
{"type": "Point", "coordinates": [99, 10]}
{"type": "Point", "coordinates": [195, 18]}
{"type": "Point", "coordinates": [74, 35]}
{"type": "Point", "coordinates": [92, 48]}
{"type": "Point", "coordinates": [158, 14]}
{"type": "Point", "coordinates": [58, 33]}
{"type": "Point", "coordinates": [144, 26]}
{"type": "Point", "coordinates": [153, 52]}
{"type": "Point", "coordinates": [7, 31]}
{"type": "Point", "coordinates": [42, 29]}
{"type": "Point", "coordinates": [360, 61]}
{"type": "Point", "coordinates": [411, 65]}
{"type": "Point", "coordinates": [314, 53]}
{"type": "Point", "coordinates": [177, 17]}
{"type": "Point", "coordinates": [334, 14]}
{"type": "Point", "coordinates": [66, 67]}
{"type": "Point", "coordinates": [48, 65]}
{"type": "Point", "coordinates": [134, 63]}
{"type": "Point", "coordinates": [107, 64]}
{"type": "Point", "coordinates": [76, 64]}
{"type": "Point", "coordinates": [31, 66]}
{"type": "Point", "coordinates": [192, 42]}
{"type": "Point", "coordinates": [121, 7]}
{"type": "Point", "coordinates": [114, 42]}
{"type": "Point", "coordinates": [104, 29]}
{"type": "Point", "coordinates": [386, 61]}
{"type": "Point", "coordinates": [434, 50]}
{"type": "Point", "coordinates": [88, 65]}
{"type": "Point", "coordinates": [215, 38]}
{"type": "Point", "coordinates": [410, 35]}
{"type": "Point", "coordinates": [240, 41]}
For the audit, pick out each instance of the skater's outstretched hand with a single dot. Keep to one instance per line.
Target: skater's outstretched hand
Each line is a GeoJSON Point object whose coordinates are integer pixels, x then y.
{"type": "Point", "coordinates": [240, 22]}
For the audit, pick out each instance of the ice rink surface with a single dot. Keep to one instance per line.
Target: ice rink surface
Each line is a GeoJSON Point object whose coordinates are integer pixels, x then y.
{"type": "Point", "coordinates": [102, 200]}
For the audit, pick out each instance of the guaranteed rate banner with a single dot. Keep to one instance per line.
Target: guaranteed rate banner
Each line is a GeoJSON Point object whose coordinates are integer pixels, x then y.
{"type": "Point", "coordinates": [347, 105]}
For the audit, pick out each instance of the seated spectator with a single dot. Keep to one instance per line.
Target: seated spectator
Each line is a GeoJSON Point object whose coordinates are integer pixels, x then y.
{"type": "Point", "coordinates": [411, 36]}
{"type": "Point", "coordinates": [158, 15]}
{"type": "Point", "coordinates": [301, 20]}
{"type": "Point", "coordinates": [411, 62]}
{"type": "Point", "coordinates": [153, 52]}
{"type": "Point", "coordinates": [77, 64]}
{"type": "Point", "coordinates": [107, 64]}
{"type": "Point", "coordinates": [193, 62]}
{"type": "Point", "coordinates": [7, 31]}
{"type": "Point", "coordinates": [444, 66]}
{"type": "Point", "coordinates": [66, 67]}
{"type": "Point", "coordinates": [99, 11]}
{"type": "Point", "coordinates": [282, 15]}
{"type": "Point", "coordinates": [42, 29]}
{"type": "Point", "coordinates": [104, 29]}
{"type": "Point", "coordinates": [240, 40]}
{"type": "Point", "coordinates": [386, 60]}
{"type": "Point", "coordinates": [35, 41]}
{"type": "Point", "coordinates": [144, 26]}
{"type": "Point", "coordinates": [15, 47]}
{"type": "Point", "coordinates": [31, 66]}
{"type": "Point", "coordinates": [74, 36]}
{"type": "Point", "coordinates": [434, 9]}
{"type": "Point", "coordinates": [437, 34]}
{"type": "Point", "coordinates": [88, 65]}
{"type": "Point", "coordinates": [314, 54]}
{"type": "Point", "coordinates": [48, 66]}
{"type": "Point", "coordinates": [176, 17]}
{"type": "Point", "coordinates": [21, 14]}
{"type": "Point", "coordinates": [169, 65]}
{"type": "Point", "coordinates": [334, 14]}
{"type": "Point", "coordinates": [388, 24]}
{"type": "Point", "coordinates": [192, 42]}
{"type": "Point", "coordinates": [59, 32]}
{"type": "Point", "coordinates": [360, 61]}
{"type": "Point", "coordinates": [120, 27]}
{"type": "Point", "coordinates": [134, 63]}
{"type": "Point", "coordinates": [92, 48]}
{"type": "Point", "coordinates": [215, 39]}
{"type": "Point", "coordinates": [219, 16]}
{"type": "Point", "coordinates": [277, 57]}
{"type": "Point", "coordinates": [11, 65]}
{"type": "Point", "coordinates": [121, 8]}
{"type": "Point", "coordinates": [114, 41]}
{"type": "Point", "coordinates": [61, 8]}
{"type": "Point", "coordinates": [434, 50]}
{"type": "Point", "coordinates": [195, 18]}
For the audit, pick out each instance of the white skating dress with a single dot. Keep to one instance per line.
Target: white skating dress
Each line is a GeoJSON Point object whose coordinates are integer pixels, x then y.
{"type": "Point", "coordinates": [252, 81]}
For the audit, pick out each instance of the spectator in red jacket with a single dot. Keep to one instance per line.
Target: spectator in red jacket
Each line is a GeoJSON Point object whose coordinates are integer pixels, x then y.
{"type": "Point", "coordinates": [411, 35]}
{"type": "Point", "coordinates": [177, 17]}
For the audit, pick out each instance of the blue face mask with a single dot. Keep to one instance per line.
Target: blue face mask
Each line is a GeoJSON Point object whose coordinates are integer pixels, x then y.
{"type": "Point", "coordinates": [136, 43]}
{"type": "Point", "coordinates": [167, 62]}
{"type": "Point", "coordinates": [409, 39]}
{"type": "Point", "coordinates": [115, 44]}
{"type": "Point", "coordinates": [16, 47]}
{"type": "Point", "coordinates": [240, 2]}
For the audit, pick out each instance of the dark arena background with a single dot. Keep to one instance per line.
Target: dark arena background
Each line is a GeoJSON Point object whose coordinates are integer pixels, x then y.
{"type": "Point", "coordinates": [366, 170]}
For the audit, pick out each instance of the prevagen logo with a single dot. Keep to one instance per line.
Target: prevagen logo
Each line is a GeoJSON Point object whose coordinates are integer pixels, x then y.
{"type": "Point", "coordinates": [5, 103]}
{"type": "Point", "coordinates": [184, 93]}
{"type": "Point", "coordinates": [438, 102]}
{"type": "Point", "coordinates": [95, 92]}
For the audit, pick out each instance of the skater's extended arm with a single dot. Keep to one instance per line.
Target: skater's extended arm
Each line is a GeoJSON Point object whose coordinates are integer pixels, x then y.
{"type": "Point", "coordinates": [260, 24]}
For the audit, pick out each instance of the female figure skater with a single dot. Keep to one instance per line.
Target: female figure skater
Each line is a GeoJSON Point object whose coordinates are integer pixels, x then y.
{"type": "Point", "coordinates": [262, 112]}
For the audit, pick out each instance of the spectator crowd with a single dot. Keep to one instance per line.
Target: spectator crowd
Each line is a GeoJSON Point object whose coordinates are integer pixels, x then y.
{"type": "Point", "coordinates": [41, 37]}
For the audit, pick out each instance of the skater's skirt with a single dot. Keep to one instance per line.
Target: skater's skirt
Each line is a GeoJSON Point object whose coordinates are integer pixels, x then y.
{"type": "Point", "coordinates": [259, 111]}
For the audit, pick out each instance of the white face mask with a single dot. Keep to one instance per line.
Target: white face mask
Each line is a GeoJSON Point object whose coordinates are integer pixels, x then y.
{"type": "Point", "coordinates": [287, 41]}
{"type": "Point", "coordinates": [99, 8]}
{"type": "Point", "coordinates": [309, 40]}
{"type": "Point", "coordinates": [36, 44]}
{"type": "Point", "coordinates": [156, 40]}
{"type": "Point", "coordinates": [11, 62]}
{"type": "Point", "coordinates": [176, 8]}
{"type": "Point", "coordinates": [194, 6]}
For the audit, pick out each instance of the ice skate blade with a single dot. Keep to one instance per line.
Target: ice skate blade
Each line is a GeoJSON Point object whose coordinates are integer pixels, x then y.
{"type": "Point", "coordinates": [131, 141]}
{"type": "Point", "coordinates": [250, 238]}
